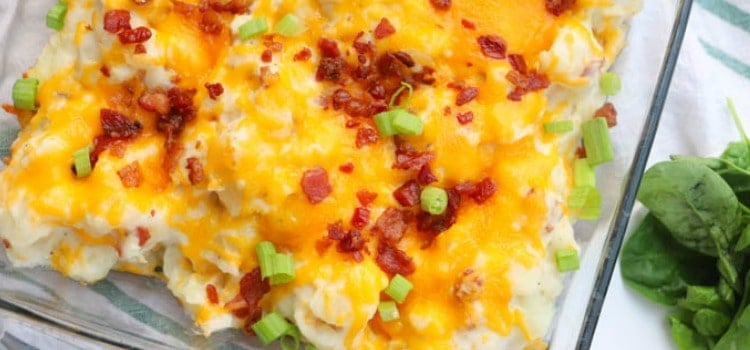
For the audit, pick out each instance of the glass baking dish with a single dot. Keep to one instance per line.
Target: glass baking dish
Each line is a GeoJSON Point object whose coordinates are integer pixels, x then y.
{"type": "Point", "coordinates": [121, 310]}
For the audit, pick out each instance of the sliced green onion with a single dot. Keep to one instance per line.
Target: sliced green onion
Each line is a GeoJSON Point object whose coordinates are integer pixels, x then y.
{"type": "Point", "coordinates": [265, 251]}
{"type": "Point", "coordinates": [253, 27]}
{"type": "Point", "coordinates": [283, 269]}
{"type": "Point", "coordinates": [399, 288]}
{"type": "Point", "coordinates": [56, 16]}
{"type": "Point", "coordinates": [597, 142]}
{"type": "Point", "coordinates": [289, 25]}
{"type": "Point", "coordinates": [558, 126]}
{"type": "Point", "coordinates": [384, 123]}
{"type": "Point", "coordinates": [610, 83]}
{"type": "Point", "coordinates": [388, 311]}
{"type": "Point", "coordinates": [583, 173]}
{"type": "Point", "coordinates": [309, 346]}
{"type": "Point", "coordinates": [24, 93]}
{"type": "Point", "coordinates": [586, 202]}
{"type": "Point", "coordinates": [291, 339]}
{"type": "Point", "coordinates": [406, 123]}
{"type": "Point", "coordinates": [82, 161]}
{"type": "Point", "coordinates": [271, 327]}
{"type": "Point", "coordinates": [433, 200]}
{"type": "Point", "coordinates": [567, 260]}
{"type": "Point", "coordinates": [404, 86]}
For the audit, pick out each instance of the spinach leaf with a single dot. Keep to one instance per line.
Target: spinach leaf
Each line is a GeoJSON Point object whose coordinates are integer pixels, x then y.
{"type": "Point", "coordinates": [737, 336]}
{"type": "Point", "coordinates": [691, 200]}
{"type": "Point", "coordinates": [710, 323]}
{"type": "Point", "coordinates": [686, 337]}
{"type": "Point", "coordinates": [656, 266]}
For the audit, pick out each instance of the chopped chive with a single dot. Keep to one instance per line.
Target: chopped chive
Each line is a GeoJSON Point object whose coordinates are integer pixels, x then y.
{"type": "Point", "coordinates": [558, 126]}
{"type": "Point", "coordinates": [596, 141]}
{"type": "Point", "coordinates": [567, 260]}
{"type": "Point", "coordinates": [388, 311]}
{"type": "Point", "coordinates": [271, 327]}
{"type": "Point", "coordinates": [384, 123]}
{"type": "Point", "coordinates": [265, 251]}
{"type": "Point", "coordinates": [289, 25]}
{"type": "Point", "coordinates": [253, 27]}
{"type": "Point", "coordinates": [585, 202]}
{"type": "Point", "coordinates": [433, 200]}
{"type": "Point", "coordinates": [24, 93]}
{"type": "Point", "coordinates": [82, 161]}
{"type": "Point", "coordinates": [404, 86]}
{"type": "Point", "coordinates": [283, 269]}
{"type": "Point", "coordinates": [56, 16]}
{"type": "Point", "coordinates": [405, 123]}
{"type": "Point", "coordinates": [291, 339]}
{"type": "Point", "coordinates": [399, 288]}
{"type": "Point", "coordinates": [610, 83]}
{"type": "Point", "coordinates": [583, 173]}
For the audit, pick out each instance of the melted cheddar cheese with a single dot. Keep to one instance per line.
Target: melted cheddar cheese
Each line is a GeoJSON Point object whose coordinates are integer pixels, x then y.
{"type": "Point", "coordinates": [274, 121]}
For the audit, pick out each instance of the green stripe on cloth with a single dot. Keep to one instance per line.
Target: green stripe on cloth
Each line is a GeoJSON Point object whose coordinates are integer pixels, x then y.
{"type": "Point", "coordinates": [7, 136]}
{"type": "Point", "coordinates": [724, 58]}
{"type": "Point", "coordinates": [140, 311]}
{"type": "Point", "coordinates": [728, 12]}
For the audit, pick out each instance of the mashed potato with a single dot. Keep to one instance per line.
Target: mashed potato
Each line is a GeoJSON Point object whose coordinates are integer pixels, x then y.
{"type": "Point", "coordinates": [206, 139]}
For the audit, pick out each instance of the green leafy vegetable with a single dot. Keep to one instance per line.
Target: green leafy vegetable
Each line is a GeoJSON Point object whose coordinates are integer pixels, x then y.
{"type": "Point", "coordinates": [686, 337]}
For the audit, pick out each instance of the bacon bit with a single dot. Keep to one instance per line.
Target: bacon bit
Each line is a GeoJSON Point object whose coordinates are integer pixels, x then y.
{"type": "Point", "coordinates": [143, 235]}
{"type": "Point", "coordinates": [315, 184]}
{"type": "Point", "coordinates": [214, 90]}
{"type": "Point", "coordinates": [340, 98]}
{"type": "Point", "coordinates": [116, 125]}
{"type": "Point", "coordinates": [394, 261]}
{"type": "Point", "coordinates": [609, 113]}
{"type": "Point", "coordinates": [581, 152]}
{"type": "Point", "coordinates": [232, 6]}
{"type": "Point", "coordinates": [351, 123]}
{"type": "Point", "coordinates": [518, 63]}
{"type": "Point", "coordinates": [441, 5]}
{"type": "Point", "coordinates": [322, 245]}
{"type": "Point", "coordinates": [131, 175]}
{"type": "Point", "coordinates": [525, 82]}
{"type": "Point", "coordinates": [384, 29]}
{"type": "Point", "coordinates": [252, 290]}
{"type": "Point", "coordinates": [366, 136]}
{"type": "Point", "coordinates": [435, 224]}
{"type": "Point", "coordinates": [468, 286]}
{"type": "Point", "coordinates": [116, 20]}
{"type": "Point", "coordinates": [360, 218]}
{"type": "Point", "coordinates": [330, 68]}
{"type": "Point", "coordinates": [211, 294]}
{"type": "Point", "coordinates": [6, 243]}
{"type": "Point", "coordinates": [468, 24]}
{"type": "Point", "coordinates": [447, 110]}
{"type": "Point", "coordinates": [266, 56]}
{"type": "Point", "coordinates": [195, 170]}
{"type": "Point", "coordinates": [365, 197]}
{"type": "Point", "coordinates": [346, 168]}
{"type": "Point", "coordinates": [484, 190]}
{"type": "Point", "coordinates": [210, 23]}
{"type": "Point", "coordinates": [377, 90]}
{"type": "Point", "coordinates": [492, 46]}
{"type": "Point", "coordinates": [407, 194]}
{"type": "Point", "coordinates": [465, 188]}
{"type": "Point", "coordinates": [466, 95]}
{"type": "Point", "coordinates": [155, 101]}
{"type": "Point", "coordinates": [134, 36]}
{"type": "Point", "coordinates": [557, 7]}
{"type": "Point", "coordinates": [425, 175]}
{"type": "Point", "coordinates": [409, 158]}
{"type": "Point", "coordinates": [329, 48]}
{"type": "Point", "coordinates": [391, 225]}
{"type": "Point", "coordinates": [348, 241]}
{"type": "Point", "coordinates": [139, 49]}
{"type": "Point", "coordinates": [357, 108]}
{"type": "Point", "coordinates": [336, 231]}
{"type": "Point", "coordinates": [465, 118]}
{"type": "Point", "coordinates": [171, 124]}
{"type": "Point", "coordinates": [303, 55]}
{"type": "Point", "coordinates": [105, 71]}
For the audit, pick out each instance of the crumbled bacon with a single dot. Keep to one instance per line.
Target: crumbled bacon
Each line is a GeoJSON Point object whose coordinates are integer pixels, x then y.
{"type": "Point", "coordinates": [466, 95]}
{"type": "Point", "coordinates": [441, 5]}
{"type": "Point", "coordinates": [211, 294]}
{"type": "Point", "coordinates": [116, 20]}
{"type": "Point", "coordinates": [303, 55]}
{"type": "Point", "coordinates": [409, 158]}
{"type": "Point", "coordinates": [435, 224]}
{"type": "Point", "coordinates": [329, 48]}
{"type": "Point", "coordinates": [407, 194]}
{"type": "Point", "coordinates": [468, 286]}
{"type": "Point", "coordinates": [315, 184]}
{"type": "Point", "coordinates": [330, 68]}
{"type": "Point", "coordinates": [366, 197]}
{"type": "Point", "coordinates": [377, 90]}
{"type": "Point", "coordinates": [468, 24]}
{"type": "Point", "coordinates": [116, 125]}
{"type": "Point", "coordinates": [346, 168]}
{"type": "Point", "coordinates": [134, 36]}
{"type": "Point", "coordinates": [210, 23]}
{"type": "Point", "coordinates": [525, 80]}
{"type": "Point", "coordinates": [6, 243]}
{"type": "Point", "coordinates": [366, 136]}
{"type": "Point", "coordinates": [155, 101]}
{"type": "Point", "coordinates": [252, 290]}
{"type": "Point", "coordinates": [143, 235]}
{"type": "Point", "coordinates": [557, 7]}
{"type": "Point", "coordinates": [518, 63]}
{"type": "Point", "coordinates": [266, 56]}
{"type": "Point", "coordinates": [492, 46]}
{"type": "Point", "coordinates": [131, 175]}
{"type": "Point", "coordinates": [340, 98]}
{"type": "Point", "coordinates": [336, 231]}
{"type": "Point", "coordinates": [232, 6]}
{"type": "Point", "coordinates": [425, 175]}
{"type": "Point", "coordinates": [391, 225]}
{"type": "Point", "coordinates": [384, 29]}
{"type": "Point", "coordinates": [348, 241]}
{"type": "Point", "coordinates": [139, 49]}
{"type": "Point", "coordinates": [195, 170]}
{"type": "Point", "coordinates": [465, 118]}
{"type": "Point", "coordinates": [394, 261]}
{"type": "Point", "coordinates": [360, 218]}
{"type": "Point", "coordinates": [105, 71]}
{"type": "Point", "coordinates": [214, 90]}
{"type": "Point", "coordinates": [609, 113]}
{"type": "Point", "coordinates": [484, 190]}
